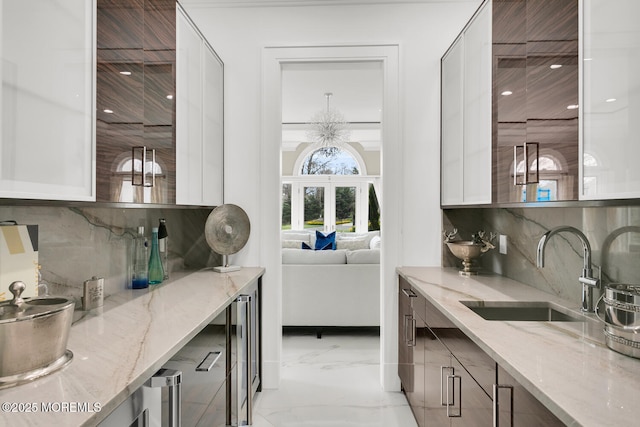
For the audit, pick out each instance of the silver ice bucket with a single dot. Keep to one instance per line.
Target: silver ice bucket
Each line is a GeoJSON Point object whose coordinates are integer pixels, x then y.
{"type": "Point", "coordinates": [622, 318]}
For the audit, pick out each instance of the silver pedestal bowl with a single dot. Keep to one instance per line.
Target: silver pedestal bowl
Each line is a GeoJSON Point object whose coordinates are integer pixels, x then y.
{"type": "Point", "coordinates": [468, 251]}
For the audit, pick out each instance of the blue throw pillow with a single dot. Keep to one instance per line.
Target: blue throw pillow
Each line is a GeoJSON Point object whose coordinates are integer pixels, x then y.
{"type": "Point", "coordinates": [327, 247]}
{"type": "Point", "coordinates": [305, 246]}
{"type": "Point", "coordinates": [322, 240]}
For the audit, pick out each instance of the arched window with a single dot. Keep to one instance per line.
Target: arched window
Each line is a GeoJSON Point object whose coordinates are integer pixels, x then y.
{"type": "Point", "coordinates": [552, 170]}
{"type": "Point", "coordinates": [546, 162]}
{"type": "Point", "coordinates": [589, 160]}
{"type": "Point", "coordinates": [329, 161]}
{"type": "Point", "coordinates": [329, 192]}
{"type": "Point", "coordinates": [124, 191]}
{"type": "Point", "coordinates": [126, 165]}
{"type": "Point", "coordinates": [589, 182]}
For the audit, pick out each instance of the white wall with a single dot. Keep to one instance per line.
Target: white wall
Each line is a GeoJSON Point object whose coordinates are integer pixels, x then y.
{"type": "Point", "coordinates": [423, 31]}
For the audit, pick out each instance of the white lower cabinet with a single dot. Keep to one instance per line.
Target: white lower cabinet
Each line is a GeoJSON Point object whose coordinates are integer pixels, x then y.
{"type": "Point", "coordinates": [47, 139]}
{"type": "Point", "coordinates": [199, 117]}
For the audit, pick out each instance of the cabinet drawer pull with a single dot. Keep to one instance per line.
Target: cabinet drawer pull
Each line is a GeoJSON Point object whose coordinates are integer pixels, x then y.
{"type": "Point", "coordinates": [454, 410]}
{"type": "Point", "coordinates": [209, 360]}
{"type": "Point", "coordinates": [409, 293]}
{"type": "Point", "coordinates": [496, 403]}
{"type": "Point", "coordinates": [445, 371]}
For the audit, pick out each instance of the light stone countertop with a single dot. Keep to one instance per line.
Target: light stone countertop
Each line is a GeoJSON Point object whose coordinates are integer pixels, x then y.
{"type": "Point", "coordinates": [566, 365]}
{"type": "Point", "coordinates": [118, 347]}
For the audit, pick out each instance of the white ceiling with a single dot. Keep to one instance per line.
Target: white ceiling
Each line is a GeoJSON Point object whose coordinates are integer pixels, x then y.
{"type": "Point", "coordinates": [356, 89]}
{"type": "Point", "coordinates": [356, 86]}
{"type": "Point", "coordinates": [357, 94]}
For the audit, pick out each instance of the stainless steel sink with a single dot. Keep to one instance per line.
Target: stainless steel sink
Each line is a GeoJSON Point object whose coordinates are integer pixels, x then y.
{"type": "Point", "coordinates": [523, 311]}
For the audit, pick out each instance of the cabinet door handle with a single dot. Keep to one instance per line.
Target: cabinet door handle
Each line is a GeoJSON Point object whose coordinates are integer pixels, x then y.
{"type": "Point", "coordinates": [413, 331]}
{"type": "Point", "coordinates": [147, 155]}
{"type": "Point", "coordinates": [525, 149]}
{"type": "Point", "coordinates": [454, 410]}
{"type": "Point", "coordinates": [409, 293]}
{"type": "Point", "coordinates": [172, 381]}
{"type": "Point", "coordinates": [407, 318]}
{"type": "Point", "coordinates": [496, 403]}
{"type": "Point", "coordinates": [445, 371]}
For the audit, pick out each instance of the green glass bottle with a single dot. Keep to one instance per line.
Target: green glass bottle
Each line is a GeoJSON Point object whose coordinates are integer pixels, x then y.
{"type": "Point", "coordinates": [156, 273]}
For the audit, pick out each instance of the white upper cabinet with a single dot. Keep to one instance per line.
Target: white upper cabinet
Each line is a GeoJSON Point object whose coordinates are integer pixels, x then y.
{"type": "Point", "coordinates": [452, 124]}
{"type": "Point", "coordinates": [199, 118]}
{"type": "Point", "coordinates": [212, 128]}
{"type": "Point", "coordinates": [611, 100]}
{"type": "Point", "coordinates": [48, 73]}
{"type": "Point", "coordinates": [477, 108]}
{"type": "Point", "coordinates": [466, 114]}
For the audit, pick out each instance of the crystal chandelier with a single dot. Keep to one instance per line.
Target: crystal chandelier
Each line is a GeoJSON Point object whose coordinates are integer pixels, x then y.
{"type": "Point", "coordinates": [328, 128]}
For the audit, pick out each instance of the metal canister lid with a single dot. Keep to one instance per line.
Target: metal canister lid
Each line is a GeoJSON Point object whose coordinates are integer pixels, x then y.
{"type": "Point", "coordinates": [33, 307]}
{"type": "Point", "coordinates": [623, 288]}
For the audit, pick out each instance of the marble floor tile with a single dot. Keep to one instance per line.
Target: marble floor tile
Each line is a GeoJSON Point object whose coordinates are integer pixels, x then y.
{"type": "Point", "coordinates": [333, 381]}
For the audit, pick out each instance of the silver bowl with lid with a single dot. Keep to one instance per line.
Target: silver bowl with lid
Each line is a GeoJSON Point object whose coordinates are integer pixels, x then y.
{"type": "Point", "coordinates": [33, 336]}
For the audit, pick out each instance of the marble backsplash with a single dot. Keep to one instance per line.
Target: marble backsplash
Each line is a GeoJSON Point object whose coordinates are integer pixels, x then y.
{"type": "Point", "coordinates": [613, 232]}
{"type": "Point", "coordinates": [77, 243]}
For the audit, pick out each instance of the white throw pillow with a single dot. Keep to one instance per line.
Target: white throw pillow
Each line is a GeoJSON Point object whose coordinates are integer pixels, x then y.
{"type": "Point", "coordinates": [352, 244]}
{"type": "Point", "coordinates": [296, 235]}
{"type": "Point", "coordinates": [350, 236]}
{"type": "Point", "coordinates": [293, 244]}
{"type": "Point", "coordinates": [375, 243]}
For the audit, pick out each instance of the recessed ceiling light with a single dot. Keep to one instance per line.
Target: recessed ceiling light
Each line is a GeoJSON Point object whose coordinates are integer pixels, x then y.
{"type": "Point", "coordinates": [611, 100]}
{"type": "Point", "coordinates": [572, 107]}
{"type": "Point", "coordinates": [587, 59]}
{"type": "Point", "coordinates": [125, 73]}
{"type": "Point", "coordinates": [169, 96]}
{"type": "Point", "coordinates": [506, 93]}
{"type": "Point", "coordinates": [555, 66]}
{"type": "Point", "coordinates": [108, 111]}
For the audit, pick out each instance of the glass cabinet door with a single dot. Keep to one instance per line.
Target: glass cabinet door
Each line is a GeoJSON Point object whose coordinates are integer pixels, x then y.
{"type": "Point", "coordinates": [199, 117]}
{"type": "Point", "coordinates": [466, 114]}
{"type": "Point", "coordinates": [46, 142]}
{"type": "Point", "coordinates": [611, 100]}
{"type": "Point", "coordinates": [452, 124]}
{"type": "Point", "coordinates": [135, 111]}
{"type": "Point", "coordinates": [477, 108]}
{"type": "Point", "coordinates": [535, 100]}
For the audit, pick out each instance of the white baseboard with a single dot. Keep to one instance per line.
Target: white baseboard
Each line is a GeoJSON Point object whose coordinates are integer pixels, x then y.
{"type": "Point", "coordinates": [270, 374]}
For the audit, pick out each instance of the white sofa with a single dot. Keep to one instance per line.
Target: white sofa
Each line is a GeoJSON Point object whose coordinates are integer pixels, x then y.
{"type": "Point", "coordinates": [331, 287]}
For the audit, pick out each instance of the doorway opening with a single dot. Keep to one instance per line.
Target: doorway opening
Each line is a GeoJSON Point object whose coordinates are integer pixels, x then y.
{"type": "Point", "coordinates": [278, 155]}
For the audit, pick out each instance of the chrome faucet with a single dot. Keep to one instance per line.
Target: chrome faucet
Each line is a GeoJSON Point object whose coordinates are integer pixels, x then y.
{"type": "Point", "coordinates": [586, 278]}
